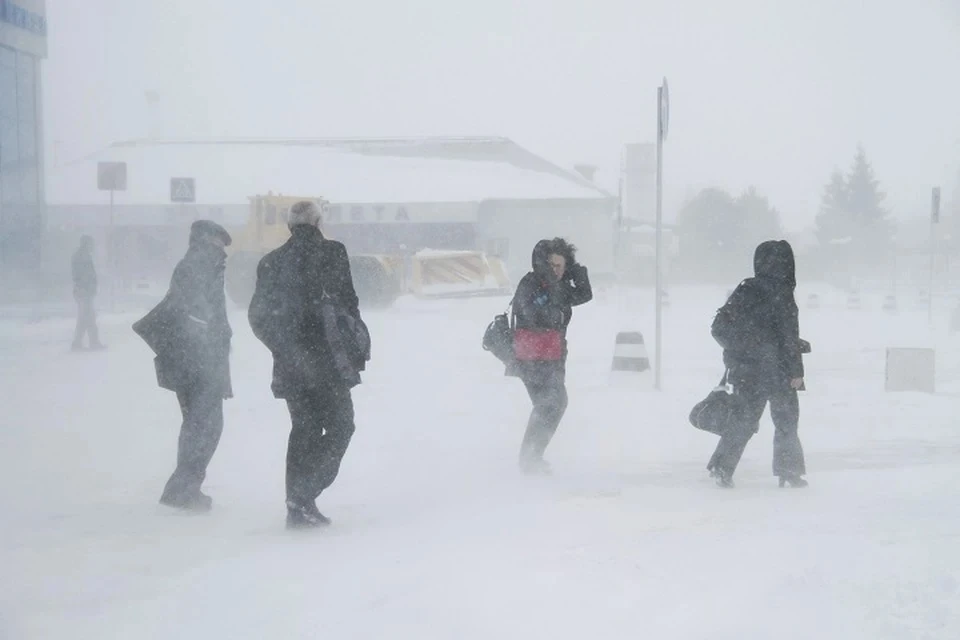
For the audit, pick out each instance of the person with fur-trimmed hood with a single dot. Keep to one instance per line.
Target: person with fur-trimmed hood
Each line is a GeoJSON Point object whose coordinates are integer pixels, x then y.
{"type": "Point", "coordinates": [190, 335]}
{"type": "Point", "coordinates": [543, 306]}
{"type": "Point", "coordinates": [290, 314]}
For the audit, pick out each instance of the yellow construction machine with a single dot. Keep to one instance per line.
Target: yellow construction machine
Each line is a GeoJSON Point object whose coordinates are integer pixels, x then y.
{"type": "Point", "coordinates": [378, 278]}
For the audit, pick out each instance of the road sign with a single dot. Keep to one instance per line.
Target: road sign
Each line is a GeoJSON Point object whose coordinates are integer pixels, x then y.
{"type": "Point", "coordinates": [935, 206]}
{"type": "Point", "coordinates": [664, 110]}
{"type": "Point", "coordinates": [112, 176]}
{"type": "Point", "coordinates": [183, 190]}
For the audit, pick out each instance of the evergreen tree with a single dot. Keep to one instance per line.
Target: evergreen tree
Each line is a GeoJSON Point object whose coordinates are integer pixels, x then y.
{"type": "Point", "coordinates": [852, 220]}
{"type": "Point", "coordinates": [873, 237]}
{"type": "Point", "coordinates": [834, 222]}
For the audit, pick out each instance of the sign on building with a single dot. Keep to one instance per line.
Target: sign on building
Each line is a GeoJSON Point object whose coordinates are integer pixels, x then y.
{"type": "Point", "coordinates": [112, 176]}
{"type": "Point", "coordinates": [23, 26]}
{"type": "Point", "coordinates": [183, 190]}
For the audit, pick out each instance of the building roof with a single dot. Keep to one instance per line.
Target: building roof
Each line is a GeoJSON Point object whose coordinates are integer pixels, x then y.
{"type": "Point", "coordinates": [340, 170]}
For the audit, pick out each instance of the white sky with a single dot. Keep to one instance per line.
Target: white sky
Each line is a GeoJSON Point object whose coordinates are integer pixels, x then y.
{"type": "Point", "coordinates": [764, 92]}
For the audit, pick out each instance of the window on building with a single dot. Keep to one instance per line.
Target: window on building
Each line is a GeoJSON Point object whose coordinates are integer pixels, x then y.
{"type": "Point", "coordinates": [27, 125]}
{"type": "Point", "coordinates": [9, 145]}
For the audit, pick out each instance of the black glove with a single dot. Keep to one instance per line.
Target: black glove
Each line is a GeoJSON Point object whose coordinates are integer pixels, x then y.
{"type": "Point", "coordinates": [573, 272]}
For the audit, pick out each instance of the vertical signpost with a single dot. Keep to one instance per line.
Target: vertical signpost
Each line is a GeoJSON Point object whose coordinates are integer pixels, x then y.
{"type": "Point", "coordinates": [663, 122]}
{"type": "Point", "coordinates": [934, 220]}
{"type": "Point", "coordinates": [112, 177]}
{"type": "Point", "coordinates": [183, 191]}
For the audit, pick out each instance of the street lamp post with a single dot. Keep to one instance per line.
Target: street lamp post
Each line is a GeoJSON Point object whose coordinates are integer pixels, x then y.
{"type": "Point", "coordinates": [663, 121]}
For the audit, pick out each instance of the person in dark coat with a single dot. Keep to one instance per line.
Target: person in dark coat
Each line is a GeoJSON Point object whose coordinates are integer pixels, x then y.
{"type": "Point", "coordinates": [543, 306]}
{"type": "Point", "coordinates": [766, 365]}
{"type": "Point", "coordinates": [286, 314]}
{"type": "Point", "coordinates": [190, 334]}
{"type": "Point", "coordinates": [84, 292]}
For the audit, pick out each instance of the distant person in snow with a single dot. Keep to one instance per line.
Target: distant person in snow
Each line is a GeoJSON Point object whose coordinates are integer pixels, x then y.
{"type": "Point", "coordinates": [543, 306]}
{"type": "Point", "coordinates": [190, 334]}
{"type": "Point", "coordinates": [305, 310]}
{"type": "Point", "coordinates": [758, 328]}
{"type": "Point", "coordinates": [84, 292]}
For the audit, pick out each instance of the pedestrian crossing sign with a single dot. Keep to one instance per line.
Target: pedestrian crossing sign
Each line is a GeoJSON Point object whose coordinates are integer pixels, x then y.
{"type": "Point", "coordinates": [183, 190]}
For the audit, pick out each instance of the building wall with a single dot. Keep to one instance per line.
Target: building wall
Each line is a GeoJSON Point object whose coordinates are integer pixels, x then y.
{"type": "Point", "coordinates": [23, 31]}
{"type": "Point", "coordinates": [510, 229]}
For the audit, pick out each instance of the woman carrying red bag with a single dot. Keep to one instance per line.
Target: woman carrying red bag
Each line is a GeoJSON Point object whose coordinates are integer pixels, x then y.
{"type": "Point", "coordinates": [543, 306]}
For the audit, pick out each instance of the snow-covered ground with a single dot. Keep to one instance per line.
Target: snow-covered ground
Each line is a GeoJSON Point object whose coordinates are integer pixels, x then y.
{"type": "Point", "coordinates": [437, 536]}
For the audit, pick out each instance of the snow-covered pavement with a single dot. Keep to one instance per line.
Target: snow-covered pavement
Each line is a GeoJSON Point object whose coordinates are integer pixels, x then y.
{"type": "Point", "coordinates": [437, 536]}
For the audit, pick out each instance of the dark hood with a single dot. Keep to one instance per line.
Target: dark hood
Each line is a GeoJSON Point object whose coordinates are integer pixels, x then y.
{"type": "Point", "coordinates": [773, 261]}
{"type": "Point", "coordinates": [540, 258]}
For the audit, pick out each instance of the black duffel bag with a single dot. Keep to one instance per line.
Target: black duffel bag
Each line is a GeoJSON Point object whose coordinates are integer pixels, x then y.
{"type": "Point", "coordinates": [719, 411]}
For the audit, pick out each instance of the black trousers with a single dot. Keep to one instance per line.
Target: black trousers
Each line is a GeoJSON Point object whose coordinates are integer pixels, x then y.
{"type": "Point", "coordinates": [323, 425]}
{"type": "Point", "coordinates": [785, 412]}
{"type": "Point", "coordinates": [202, 409]}
{"type": "Point", "coordinates": [549, 399]}
{"type": "Point", "coordinates": [86, 321]}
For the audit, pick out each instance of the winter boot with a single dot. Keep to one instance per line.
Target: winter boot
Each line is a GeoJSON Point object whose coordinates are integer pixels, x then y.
{"type": "Point", "coordinates": [724, 479]}
{"type": "Point", "coordinates": [305, 516]}
{"type": "Point", "coordinates": [535, 466]}
{"type": "Point", "coordinates": [198, 502]}
{"type": "Point", "coordinates": [795, 481]}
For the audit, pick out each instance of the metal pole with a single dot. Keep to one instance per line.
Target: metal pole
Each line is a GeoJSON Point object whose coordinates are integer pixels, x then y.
{"type": "Point", "coordinates": [659, 262]}
{"type": "Point", "coordinates": [112, 257]}
{"type": "Point", "coordinates": [933, 256]}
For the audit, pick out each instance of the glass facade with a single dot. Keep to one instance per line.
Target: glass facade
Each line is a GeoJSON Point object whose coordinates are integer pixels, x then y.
{"type": "Point", "coordinates": [21, 195]}
{"type": "Point", "coordinates": [19, 137]}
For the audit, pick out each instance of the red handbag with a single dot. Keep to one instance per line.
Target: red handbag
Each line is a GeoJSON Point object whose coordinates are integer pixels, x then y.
{"type": "Point", "coordinates": [537, 344]}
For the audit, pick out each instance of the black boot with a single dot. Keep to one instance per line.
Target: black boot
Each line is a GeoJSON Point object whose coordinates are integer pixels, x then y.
{"type": "Point", "coordinates": [305, 515]}
{"type": "Point", "coordinates": [198, 502]}
{"type": "Point", "coordinates": [723, 478]}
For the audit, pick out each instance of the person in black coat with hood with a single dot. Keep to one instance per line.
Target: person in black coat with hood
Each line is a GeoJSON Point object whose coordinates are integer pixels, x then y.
{"type": "Point", "coordinates": [287, 315]}
{"type": "Point", "coordinates": [543, 307]}
{"type": "Point", "coordinates": [759, 330]}
{"type": "Point", "coordinates": [190, 335]}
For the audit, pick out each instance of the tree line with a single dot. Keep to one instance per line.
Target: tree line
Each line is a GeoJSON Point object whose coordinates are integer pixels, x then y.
{"type": "Point", "coordinates": [716, 229]}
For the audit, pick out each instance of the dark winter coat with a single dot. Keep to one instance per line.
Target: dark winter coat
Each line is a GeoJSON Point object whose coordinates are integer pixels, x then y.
{"type": "Point", "coordinates": [188, 329]}
{"type": "Point", "coordinates": [542, 303]}
{"type": "Point", "coordinates": [84, 274]}
{"type": "Point", "coordinates": [768, 316]}
{"type": "Point", "coordinates": [286, 312]}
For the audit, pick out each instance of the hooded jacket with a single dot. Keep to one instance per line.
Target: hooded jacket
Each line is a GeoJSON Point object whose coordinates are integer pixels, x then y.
{"type": "Point", "coordinates": [766, 316]}
{"type": "Point", "coordinates": [541, 302]}
{"type": "Point", "coordinates": [189, 330]}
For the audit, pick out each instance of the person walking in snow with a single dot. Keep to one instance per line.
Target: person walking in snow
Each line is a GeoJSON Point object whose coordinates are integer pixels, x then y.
{"type": "Point", "coordinates": [84, 292]}
{"type": "Point", "coordinates": [543, 307]}
{"type": "Point", "coordinates": [190, 334]}
{"type": "Point", "coordinates": [304, 309]}
{"type": "Point", "coordinates": [758, 328]}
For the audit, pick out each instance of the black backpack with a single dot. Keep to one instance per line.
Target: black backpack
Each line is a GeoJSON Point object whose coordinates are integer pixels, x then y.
{"type": "Point", "coordinates": [734, 325]}
{"type": "Point", "coordinates": [498, 338]}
